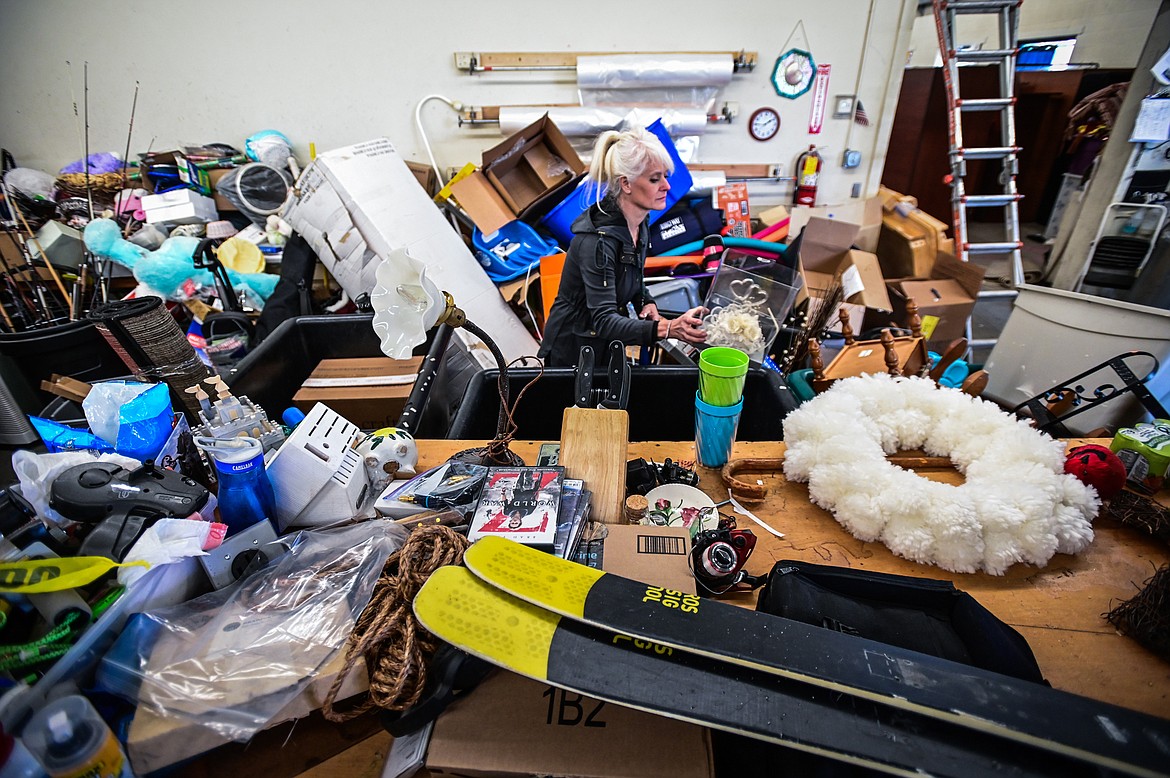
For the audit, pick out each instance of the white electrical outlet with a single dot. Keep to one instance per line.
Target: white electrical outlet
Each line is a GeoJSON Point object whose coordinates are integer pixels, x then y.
{"type": "Point", "coordinates": [463, 60]}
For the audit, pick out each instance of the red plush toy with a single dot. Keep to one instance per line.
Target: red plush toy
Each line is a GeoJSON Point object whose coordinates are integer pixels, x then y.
{"type": "Point", "coordinates": [1098, 467]}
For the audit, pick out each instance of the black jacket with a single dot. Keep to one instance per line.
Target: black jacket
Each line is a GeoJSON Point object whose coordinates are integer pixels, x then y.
{"type": "Point", "coordinates": [602, 275]}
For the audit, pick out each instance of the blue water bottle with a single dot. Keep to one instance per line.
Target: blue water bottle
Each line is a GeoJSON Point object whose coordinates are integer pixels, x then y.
{"type": "Point", "coordinates": [245, 493]}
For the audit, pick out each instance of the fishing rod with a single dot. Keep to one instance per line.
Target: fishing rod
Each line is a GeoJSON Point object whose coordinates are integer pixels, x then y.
{"type": "Point", "coordinates": [85, 162]}
{"type": "Point", "coordinates": [130, 132]}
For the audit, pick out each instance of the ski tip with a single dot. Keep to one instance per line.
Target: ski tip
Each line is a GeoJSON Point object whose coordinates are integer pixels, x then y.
{"type": "Point", "coordinates": [557, 584]}
{"type": "Point", "coordinates": [462, 610]}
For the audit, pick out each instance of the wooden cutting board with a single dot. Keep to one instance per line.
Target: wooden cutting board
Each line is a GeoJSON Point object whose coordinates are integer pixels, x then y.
{"type": "Point", "coordinates": [593, 448]}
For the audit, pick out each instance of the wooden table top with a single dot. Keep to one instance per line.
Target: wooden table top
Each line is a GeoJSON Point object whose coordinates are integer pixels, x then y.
{"type": "Point", "coordinates": [1058, 608]}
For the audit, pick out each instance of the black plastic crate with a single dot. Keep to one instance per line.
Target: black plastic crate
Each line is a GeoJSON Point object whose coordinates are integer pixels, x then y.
{"type": "Point", "coordinates": [661, 404]}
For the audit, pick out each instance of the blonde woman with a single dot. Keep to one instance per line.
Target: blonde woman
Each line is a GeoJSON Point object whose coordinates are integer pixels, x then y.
{"type": "Point", "coordinates": [603, 276]}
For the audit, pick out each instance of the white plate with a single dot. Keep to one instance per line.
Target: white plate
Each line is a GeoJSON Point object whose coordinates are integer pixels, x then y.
{"type": "Point", "coordinates": [688, 507]}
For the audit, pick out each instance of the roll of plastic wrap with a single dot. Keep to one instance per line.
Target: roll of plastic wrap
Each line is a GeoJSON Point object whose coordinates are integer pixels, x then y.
{"type": "Point", "coordinates": [572, 120]}
{"type": "Point", "coordinates": [677, 121]}
{"type": "Point", "coordinates": [639, 71]}
{"type": "Point", "coordinates": [703, 182]}
{"type": "Point", "coordinates": [589, 121]}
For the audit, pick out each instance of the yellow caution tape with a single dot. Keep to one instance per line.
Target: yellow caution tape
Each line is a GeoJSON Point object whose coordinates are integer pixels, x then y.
{"type": "Point", "coordinates": [53, 575]}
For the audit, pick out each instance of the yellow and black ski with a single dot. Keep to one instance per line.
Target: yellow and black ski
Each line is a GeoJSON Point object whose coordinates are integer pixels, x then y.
{"type": "Point", "coordinates": [1031, 714]}
{"type": "Point", "coordinates": [465, 611]}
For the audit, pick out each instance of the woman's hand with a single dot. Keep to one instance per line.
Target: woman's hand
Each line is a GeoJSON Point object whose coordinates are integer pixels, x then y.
{"type": "Point", "coordinates": [687, 327]}
{"type": "Point", "coordinates": [649, 311]}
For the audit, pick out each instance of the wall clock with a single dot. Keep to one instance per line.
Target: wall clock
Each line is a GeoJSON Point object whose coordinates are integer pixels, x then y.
{"type": "Point", "coordinates": [764, 124]}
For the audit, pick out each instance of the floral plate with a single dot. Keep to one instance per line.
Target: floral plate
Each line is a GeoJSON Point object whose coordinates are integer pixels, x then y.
{"type": "Point", "coordinates": [679, 505]}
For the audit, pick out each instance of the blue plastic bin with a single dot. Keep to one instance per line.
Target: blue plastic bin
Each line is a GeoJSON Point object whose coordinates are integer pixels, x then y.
{"type": "Point", "coordinates": [510, 251]}
{"type": "Point", "coordinates": [559, 221]}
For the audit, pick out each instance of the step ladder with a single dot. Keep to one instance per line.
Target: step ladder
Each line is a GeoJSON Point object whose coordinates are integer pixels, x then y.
{"type": "Point", "coordinates": [1007, 13]}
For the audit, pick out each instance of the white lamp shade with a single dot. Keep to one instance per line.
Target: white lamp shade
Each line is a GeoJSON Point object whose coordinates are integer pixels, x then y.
{"type": "Point", "coordinates": [406, 304]}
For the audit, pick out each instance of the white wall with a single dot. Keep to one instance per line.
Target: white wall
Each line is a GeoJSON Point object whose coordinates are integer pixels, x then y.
{"type": "Point", "coordinates": [1109, 32]}
{"type": "Point", "coordinates": [335, 73]}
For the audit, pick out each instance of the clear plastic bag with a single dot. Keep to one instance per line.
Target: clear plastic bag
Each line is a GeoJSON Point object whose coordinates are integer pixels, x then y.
{"type": "Point", "coordinates": [232, 659]}
{"type": "Point", "coordinates": [135, 418]}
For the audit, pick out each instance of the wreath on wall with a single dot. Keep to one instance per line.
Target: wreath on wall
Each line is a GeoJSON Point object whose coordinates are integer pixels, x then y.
{"type": "Point", "coordinates": [1017, 504]}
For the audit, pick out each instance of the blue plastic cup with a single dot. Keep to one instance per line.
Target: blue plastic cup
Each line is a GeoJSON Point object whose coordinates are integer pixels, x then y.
{"type": "Point", "coordinates": [715, 428]}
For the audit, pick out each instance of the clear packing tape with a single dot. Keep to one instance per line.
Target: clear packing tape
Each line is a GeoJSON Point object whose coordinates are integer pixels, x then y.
{"type": "Point", "coordinates": [675, 79]}
{"type": "Point", "coordinates": [232, 659]}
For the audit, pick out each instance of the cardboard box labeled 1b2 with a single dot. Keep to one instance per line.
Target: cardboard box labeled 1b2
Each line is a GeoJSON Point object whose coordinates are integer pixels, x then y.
{"type": "Point", "coordinates": [370, 392]}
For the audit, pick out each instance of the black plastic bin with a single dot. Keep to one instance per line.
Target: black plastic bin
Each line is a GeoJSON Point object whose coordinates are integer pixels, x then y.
{"type": "Point", "coordinates": [273, 372]}
{"type": "Point", "coordinates": [75, 349]}
{"type": "Point", "coordinates": [661, 405]}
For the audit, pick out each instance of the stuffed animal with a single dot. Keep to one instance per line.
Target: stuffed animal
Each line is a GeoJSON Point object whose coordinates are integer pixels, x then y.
{"type": "Point", "coordinates": [388, 453]}
{"type": "Point", "coordinates": [1097, 467]}
{"type": "Point", "coordinates": [168, 269]}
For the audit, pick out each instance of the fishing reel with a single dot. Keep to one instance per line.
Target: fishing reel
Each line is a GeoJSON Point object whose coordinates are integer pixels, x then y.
{"type": "Point", "coordinates": [718, 557]}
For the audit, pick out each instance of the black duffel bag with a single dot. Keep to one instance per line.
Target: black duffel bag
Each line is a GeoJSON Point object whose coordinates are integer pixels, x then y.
{"type": "Point", "coordinates": [920, 614]}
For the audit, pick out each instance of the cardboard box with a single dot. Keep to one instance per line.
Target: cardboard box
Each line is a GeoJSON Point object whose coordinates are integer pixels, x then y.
{"type": "Point", "coordinates": [826, 255]}
{"type": "Point", "coordinates": [221, 202]}
{"type": "Point", "coordinates": [910, 238]}
{"type": "Point", "coordinates": [945, 299]}
{"type": "Point", "coordinates": [867, 214]}
{"type": "Point", "coordinates": [370, 392]}
{"type": "Point", "coordinates": [426, 177]}
{"type": "Point", "coordinates": [179, 206]}
{"type": "Point", "coordinates": [526, 171]}
{"type": "Point", "coordinates": [650, 554]}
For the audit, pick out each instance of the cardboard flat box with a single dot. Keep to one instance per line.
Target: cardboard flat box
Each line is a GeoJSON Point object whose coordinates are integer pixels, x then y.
{"type": "Point", "coordinates": [370, 391]}
{"type": "Point", "coordinates": [514, 726]}
{"type": "Point", "coordinates": [179, 206]}
{"type": "Point", "coordinates": [945, 299]}
{"type": "Point", "coordinates": [355, 205]}
{"type": "Point", "coordinates": [826, 255]}
{"type": "Point", "coordinates": [518, 176]}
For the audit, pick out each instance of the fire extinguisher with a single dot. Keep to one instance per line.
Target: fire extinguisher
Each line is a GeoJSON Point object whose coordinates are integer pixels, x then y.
{"type": "Point", "coordinates": [808, 170]}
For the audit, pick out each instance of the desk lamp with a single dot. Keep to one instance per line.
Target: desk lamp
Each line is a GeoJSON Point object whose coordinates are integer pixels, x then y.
{"type": "Point", "coordinates": [407, 305]}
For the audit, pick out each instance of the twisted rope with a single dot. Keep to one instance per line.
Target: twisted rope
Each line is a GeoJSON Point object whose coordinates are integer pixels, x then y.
{"type": "Point", "coordinates": [395, 647]}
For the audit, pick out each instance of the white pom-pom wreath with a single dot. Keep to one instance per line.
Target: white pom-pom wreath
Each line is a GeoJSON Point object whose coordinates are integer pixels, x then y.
{"type": "Point", "coordinates": [1017, 504]}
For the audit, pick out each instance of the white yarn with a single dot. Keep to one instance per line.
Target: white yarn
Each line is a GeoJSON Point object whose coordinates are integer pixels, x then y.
{"type": "Point", "coordinates": [1017, 504]}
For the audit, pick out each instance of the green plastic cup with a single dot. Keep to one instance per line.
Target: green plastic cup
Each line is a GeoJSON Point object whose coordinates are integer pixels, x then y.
{"type": "Point", "coordinates": [722, 372]}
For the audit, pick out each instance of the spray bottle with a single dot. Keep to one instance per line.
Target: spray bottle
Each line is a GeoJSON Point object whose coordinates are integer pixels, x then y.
{"type": "Point", "coordinates": [245, 493]}
{"type": "Point", "coordinates": [71, 740]}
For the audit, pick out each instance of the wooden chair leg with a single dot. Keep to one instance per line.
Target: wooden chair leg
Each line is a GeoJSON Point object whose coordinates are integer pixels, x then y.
{"type": "Point", "coordinates": [976, 383]}
{"type": "Point", "coordinates": [846, 329]}
{"type": "Point", "coordinates": [891, 355]}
